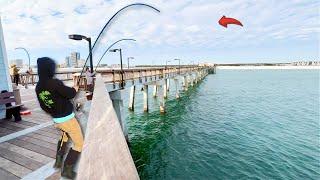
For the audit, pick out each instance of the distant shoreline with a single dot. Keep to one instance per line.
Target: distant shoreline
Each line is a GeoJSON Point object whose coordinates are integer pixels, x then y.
{"type": "Point", "coordinates": [269, 67]}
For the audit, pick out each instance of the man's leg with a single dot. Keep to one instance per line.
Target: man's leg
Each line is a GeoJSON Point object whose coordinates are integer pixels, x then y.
{"type": "Point", "coordinates": [61, 149]}
{"type": "Point", "coordinates": [73, 129]}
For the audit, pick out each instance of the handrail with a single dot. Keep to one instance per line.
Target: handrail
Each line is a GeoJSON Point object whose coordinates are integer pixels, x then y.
{"type": "Point", "coordinates": [105, 153]}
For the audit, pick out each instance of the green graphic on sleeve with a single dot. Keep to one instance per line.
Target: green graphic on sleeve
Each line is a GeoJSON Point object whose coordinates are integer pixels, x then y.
{"type": "Point", "coordinates": [45, 97]}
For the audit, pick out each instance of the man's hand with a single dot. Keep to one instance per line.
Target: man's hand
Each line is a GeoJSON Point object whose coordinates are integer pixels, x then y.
{"type": "Point", "coordinates": [76, 88]}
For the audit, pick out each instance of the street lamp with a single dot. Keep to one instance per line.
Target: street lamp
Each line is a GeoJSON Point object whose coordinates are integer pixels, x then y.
{"type": "Point", "coordinates": [25, 50]}
{"type": "Point", "coordinates": [128, 60]}
{"type": "Point", "coordinates": [115, 50]}
{"type": "Point", "coordinates": [78, 37]}
{"type": "Point", "coordinates": [167, 63]}
{"type": "Point", "coordinates": [179, 64]}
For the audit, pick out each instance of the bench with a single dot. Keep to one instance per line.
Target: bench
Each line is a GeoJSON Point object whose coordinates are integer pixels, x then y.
{"type": "Point", "coordinates": [7, 98]}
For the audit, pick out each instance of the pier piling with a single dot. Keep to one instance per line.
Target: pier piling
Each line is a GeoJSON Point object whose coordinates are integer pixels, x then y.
{"type": "Point", "coordinates": [176, 82]}
{"type": "Point", "coordinates": [145, 99]}
{"type": "Point", "coordinates": [132, 97]}
{"type": "Point", "coordinates": [155, 90]}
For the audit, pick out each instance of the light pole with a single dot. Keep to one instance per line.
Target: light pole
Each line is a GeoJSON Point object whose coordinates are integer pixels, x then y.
{"type": "Point", "coordinates": [78, 37]}
{"type": "Point", "coordinates": [129, 60]}
{"type": "Point", "coordinates": [122, 82]}
{"type": "Point", "coordinates": [25, 50]}
{"type": "Point", "coordinates": [167, 63]}
{"type": "Point", "coordinates": [179, 64]}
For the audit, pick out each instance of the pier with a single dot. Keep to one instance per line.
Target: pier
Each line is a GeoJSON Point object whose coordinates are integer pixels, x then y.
{"type": "Point", "coordinates": [27, 148]}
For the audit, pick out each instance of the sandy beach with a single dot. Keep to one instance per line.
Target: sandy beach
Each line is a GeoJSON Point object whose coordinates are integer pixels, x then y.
{"type": "Point", "coordinates": [269, 67]}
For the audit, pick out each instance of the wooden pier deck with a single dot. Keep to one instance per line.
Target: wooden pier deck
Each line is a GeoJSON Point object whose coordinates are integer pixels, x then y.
{"type": "Point", "coordinates": [28, 145]}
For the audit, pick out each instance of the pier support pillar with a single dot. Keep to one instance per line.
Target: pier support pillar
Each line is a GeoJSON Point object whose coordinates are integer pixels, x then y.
{"type": "Point", "coordinates": [132, 97]}
{"type": "Point", "coordinates": [155, 91]}
{"type": "Point", "coordinates": [185, 84]}
{"type": "Point", "coordinates": [117, 102]}
{"type": "Point", "coordinates": [191, 80]}
{"type": "Point", "coordinates": [168, 84]}
{"type": "Point", "coordinates": [145, 99]}
{"type": "Point", "coordinates": [165, 92]}
{"type": "Point", "coordinates": [196, 78]}
{"type": "Point", "coordinates": [162, 101]}
{"type": "Point", "coordinates": [176, 82]}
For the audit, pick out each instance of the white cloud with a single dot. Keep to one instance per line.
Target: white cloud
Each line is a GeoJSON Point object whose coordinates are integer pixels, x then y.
{"type": "Point", "coordinates": [41, 24]}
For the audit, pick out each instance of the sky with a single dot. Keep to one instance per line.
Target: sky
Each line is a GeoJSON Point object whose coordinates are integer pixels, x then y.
{"type": "Point", "coordinates": [273, 30]}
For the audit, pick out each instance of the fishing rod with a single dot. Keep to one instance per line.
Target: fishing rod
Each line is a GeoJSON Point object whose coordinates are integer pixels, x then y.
{"type": "Point", "coordinates": [110, 48]}
{"type": "Point", "coordinates": [105, 26]}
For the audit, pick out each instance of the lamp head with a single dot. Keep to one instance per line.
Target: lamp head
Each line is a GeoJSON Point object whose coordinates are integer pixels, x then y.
{"type": "Point", "coordinates": [76, 37]}
{"type": "Point", "coordinates": [114, 50]}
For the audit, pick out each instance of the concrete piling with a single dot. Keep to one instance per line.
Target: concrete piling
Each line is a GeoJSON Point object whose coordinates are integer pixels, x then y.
{"type": "Point", "coordinates": [176, 82]}
{"type": "Point", "coordinates": [162, 101]}
{"type": "Point", "coordinates": [132, 97]}
{"type": "Point", "coordinates": [117, 102]}
{"type": "Point", "coordinates": [165, 92]}
{"type": "Point", "coordinates": [145, 99]}
{"type": "Point", "coordinates": [185, 84]}
{"type": "Point", "coordinates": [155, 91]}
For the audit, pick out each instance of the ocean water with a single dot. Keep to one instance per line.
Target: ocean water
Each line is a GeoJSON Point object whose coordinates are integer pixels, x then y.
{"type": "Point", "coordinates": [236, 124]}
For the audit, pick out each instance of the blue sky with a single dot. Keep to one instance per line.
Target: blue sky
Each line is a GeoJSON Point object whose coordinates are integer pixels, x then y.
{"type": "Point", "coordinates": [273, 31]}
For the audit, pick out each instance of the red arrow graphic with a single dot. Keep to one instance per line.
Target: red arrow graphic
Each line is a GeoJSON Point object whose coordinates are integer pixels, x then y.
{"type": "Point", "coordinates": [224, 21]}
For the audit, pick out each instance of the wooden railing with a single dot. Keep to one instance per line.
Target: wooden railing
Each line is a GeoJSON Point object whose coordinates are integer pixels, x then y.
{"type": "Point", "coordinates": [113, 76]}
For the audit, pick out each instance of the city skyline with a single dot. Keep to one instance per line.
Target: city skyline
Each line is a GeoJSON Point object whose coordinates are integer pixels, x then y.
{"type": "Point", "coordinates": [286, 32]}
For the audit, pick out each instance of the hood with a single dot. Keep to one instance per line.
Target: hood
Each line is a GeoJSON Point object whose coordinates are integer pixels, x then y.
{"type": "Point", "coordinates": [46, 68]}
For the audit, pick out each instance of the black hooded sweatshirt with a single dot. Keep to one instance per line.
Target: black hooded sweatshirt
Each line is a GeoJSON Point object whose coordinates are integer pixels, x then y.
{"type": "Point", "coordinates": [53, 96]}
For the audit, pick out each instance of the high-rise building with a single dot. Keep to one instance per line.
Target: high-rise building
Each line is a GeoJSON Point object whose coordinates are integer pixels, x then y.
{"type": "Point", "coordinates": [67, 62]}
{"type": "Point", "coordinates": [4, 67]}
{"type": "Point", "coordinates": [74, 58]}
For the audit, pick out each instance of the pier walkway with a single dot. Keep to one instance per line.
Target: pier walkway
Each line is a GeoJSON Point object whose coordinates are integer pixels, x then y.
{"type": "Point", "coordinates": [27, 148]}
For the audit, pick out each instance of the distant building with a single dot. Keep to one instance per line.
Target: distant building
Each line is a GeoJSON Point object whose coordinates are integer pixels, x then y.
{"type": "Point", "coordinates": [17, 62]}
{"type": "Point", "coordinates": [306, 63]}
{"type": "Point", "coordinates": [81, 62]}
{"type": "Point", "coordinates": [74, 58]}
{"type": "Point", "coordinates": [67, 62]}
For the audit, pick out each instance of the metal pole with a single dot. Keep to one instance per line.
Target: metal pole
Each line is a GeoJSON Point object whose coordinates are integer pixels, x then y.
{"type": "Point", "coordinates": [121, 84]}
{"type": "Point", "coordinates": [90, 54]}
{"type": "Point", "coordinates": [25, 50]}
{"type": "Point", "coordinates": [179, 67]}
{"type": "Point", "coordinates": [128, 63]}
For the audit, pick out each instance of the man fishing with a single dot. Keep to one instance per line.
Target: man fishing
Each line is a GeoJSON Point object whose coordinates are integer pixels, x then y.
{"type": "Point", "coordinates": [55, 99]}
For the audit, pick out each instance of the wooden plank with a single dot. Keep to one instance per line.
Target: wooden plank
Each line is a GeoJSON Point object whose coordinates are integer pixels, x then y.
{"type": "Point", "coordinates": [5, 131]}
{"type": "Point", "coordinates": [7, 175]}
{"type": "Point", "coordinates": [26, 123]}
{"type": "Point", "coordinates": [47, 129]}
{"type": "Point", "coordinates": [14, 168]}
{"type": "Point", "coordinates": [48, 134]}
{"type": "Point", "coordinates": [105, 153]}
{"type": "Point", "coordinates": [44, 138]}
{"type": "Point", "coordinates": [38, 142]}
{"type": "Point", "coordinates": [27, 153]}
{"type": "Point", "coordinates": [19, 159]}
{"type": "Point", "coordinates": [16, 124]}
{"type": "Point", "coordinates": [11, 127]}
{"type": "Point", "coordinates": [33, 147]}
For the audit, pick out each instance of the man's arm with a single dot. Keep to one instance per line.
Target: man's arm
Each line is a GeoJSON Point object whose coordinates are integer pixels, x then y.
{"type": "Point", "coordinates": [65, 91]}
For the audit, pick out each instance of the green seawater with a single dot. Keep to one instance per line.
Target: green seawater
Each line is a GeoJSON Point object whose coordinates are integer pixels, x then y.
{"type": "Point", "coordinates": [236, 124]}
